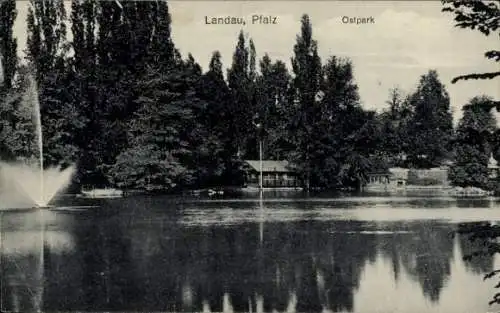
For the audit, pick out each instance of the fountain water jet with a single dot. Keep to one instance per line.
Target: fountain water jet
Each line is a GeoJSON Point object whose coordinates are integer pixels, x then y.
{"type": "Point", "coordinates": [38, 126]}
{"type": "Point", "coordinates": [33, 180]}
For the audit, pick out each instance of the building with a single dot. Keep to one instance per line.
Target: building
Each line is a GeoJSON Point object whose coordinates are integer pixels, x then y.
{"type": "Point", "coordinates": [402, 178]}
{"type": "Point", "coordinates": [436, 176]}
{"type": "Point", "coordinates": [393, 179]}
{"type": "Point", "coordinates": [399, 177]}
{"type": "Point", "coordinates": [377, 181]}
{"type": "Point", "coordinates": [275, 174]}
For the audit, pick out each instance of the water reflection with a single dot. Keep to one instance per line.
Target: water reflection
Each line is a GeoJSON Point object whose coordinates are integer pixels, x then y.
{"type": "Point", "coordinates": [366, 209]}
{"type": "Point", "coordinates": [263, 256]}
{"type": "Point", "coordinates": [25, 241]}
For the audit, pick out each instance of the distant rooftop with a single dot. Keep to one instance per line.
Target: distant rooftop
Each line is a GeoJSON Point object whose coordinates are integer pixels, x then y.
{"type": "Point", "coordinates": [270, 166]}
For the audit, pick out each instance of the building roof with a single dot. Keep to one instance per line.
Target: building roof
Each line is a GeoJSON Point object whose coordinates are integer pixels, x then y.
{"type": "Point", "coordinates": [270, 166]}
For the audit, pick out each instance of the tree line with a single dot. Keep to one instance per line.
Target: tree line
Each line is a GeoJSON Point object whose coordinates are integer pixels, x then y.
{"type": "Point", "coordinates": [121, 102]}
{"type": "Point", "coordinates": [484, 17]}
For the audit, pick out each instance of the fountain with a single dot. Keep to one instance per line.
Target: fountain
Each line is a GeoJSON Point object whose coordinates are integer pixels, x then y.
{"type": "Point", "coordinates": [33, 180]}
{"type": "Point", "coordinates": [25, 184]}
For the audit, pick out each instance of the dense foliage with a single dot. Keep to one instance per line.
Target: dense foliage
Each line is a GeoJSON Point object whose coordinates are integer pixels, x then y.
{"type": "Point", "coordinates": [431, 126]}
{"type": "Point", "coordinates": [476, 131]}
{"type": "Point", "coordinates": [121, 102]}
{"type": "Point", "coordinates": [472, 145]}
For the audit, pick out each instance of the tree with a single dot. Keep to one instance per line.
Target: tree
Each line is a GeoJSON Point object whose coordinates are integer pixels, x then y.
{"type": "Point", "coordinates": [272, 86]}
{"type": "Point", "coordinates": [10, 98]}
{"type": "Point", "coordinates": [168, 115]}
{"type": "Point", "coordinates": [431, 127]}
{"type": "Point", "coordinates": [220, 150]}
{"type": "Point", "coordinates": [47, 53]}
{"type": "Point", "coordinates": [205, 144]}
{"type": "Point", "coordinates": [472, 145]}
{"type": "Point", "coordinates": [17, 131]}
{"type": "Point", "coordinates": [347, 135]}
{"type": "Point", "coordinates": [331, 127]}
{"type": "Point", "coordinates": [331, 133]}
{"type": "Point", "coordinates": [163, 52]}
{"type": "Point", "coordinates": [116, 78]}
{"type": "Point", "coordinates": [241, 80]}
{"type": "Point", "coordinates": [307, 70]}
{"type": "Point", "coordinates": [46, 45]}
{"type": "Point", "coordinates": [394, 124]}
{"type": "Point", "coordinates": [61, 120]}
{"type": "Point", "coordinates": [85, 86]}
{"type": "Point", "coordinates": [483, 16]}
{"type": "Point", "coordinates": [162, 127]}
{"type": "Point", "coordinates": [8, 44]}
{"type": "Point", "coordinates": [477, 117]}
{"type": "Point", "coordinates": [83, 27]}
{"type": "Point", "coordinates": [114, 45]}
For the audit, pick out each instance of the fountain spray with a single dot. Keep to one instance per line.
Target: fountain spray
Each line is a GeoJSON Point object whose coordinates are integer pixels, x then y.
{"type": "Point", "coordinates": [33, 93]}
{"type": "Point", "coordinates": [33, 181]}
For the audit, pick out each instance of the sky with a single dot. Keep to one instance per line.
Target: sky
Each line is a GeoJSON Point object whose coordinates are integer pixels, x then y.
{"type": "Point", "coordinates": [406, 40]}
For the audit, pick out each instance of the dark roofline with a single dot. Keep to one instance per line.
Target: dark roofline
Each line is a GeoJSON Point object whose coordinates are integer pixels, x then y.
{"type": "Point", "coordinates": [282, 166]}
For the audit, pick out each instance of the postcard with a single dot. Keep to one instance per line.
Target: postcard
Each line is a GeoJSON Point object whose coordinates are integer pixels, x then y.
{"type": "Point", "coordinates": [249, 156]}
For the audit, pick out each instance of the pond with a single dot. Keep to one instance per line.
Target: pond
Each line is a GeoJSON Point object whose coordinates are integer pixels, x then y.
{"type": "Point", "coordinates": [346, 254]}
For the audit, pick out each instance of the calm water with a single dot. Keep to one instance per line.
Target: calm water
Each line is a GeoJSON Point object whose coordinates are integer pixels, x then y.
{"type": "Point", "coordinates": [358, 254]}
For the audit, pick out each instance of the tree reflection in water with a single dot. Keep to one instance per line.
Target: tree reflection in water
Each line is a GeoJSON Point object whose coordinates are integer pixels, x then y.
{"type": "Point", "coordinates": [146, 259]}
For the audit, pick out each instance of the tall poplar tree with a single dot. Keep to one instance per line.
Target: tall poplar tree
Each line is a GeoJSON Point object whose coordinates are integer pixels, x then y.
{"type": "Point", "coordinates": [220, 149]}
{"type": "Point", "coordinates": [86, 85]}
{"type": "Point", "coordinates": [272, 86]}
{"type": "Point", "coordinates": [8, 63]}
{"type": "Point", "coordinates": [115, 82]}
{"type": "Point", "coordinates": [241, 84]}
{"type": "Point", "coordinates": [46, 45]}
{"type": "Point", "coordinates": [306, 66]}
{"type": "Point", "coordinates": [47, 53]}
{"type": "Point", "coordinates": [8, 44]}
